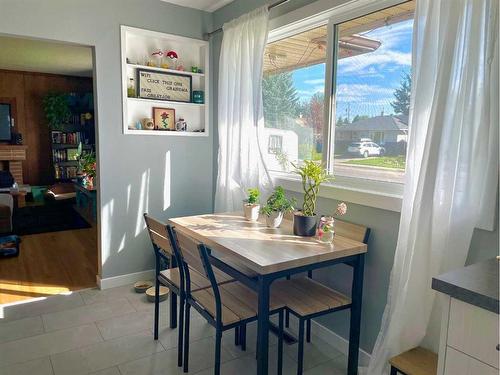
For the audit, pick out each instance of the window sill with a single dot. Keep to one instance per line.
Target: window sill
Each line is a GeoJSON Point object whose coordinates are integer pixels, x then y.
{"type": "Point", "coordinates": [377, 194]}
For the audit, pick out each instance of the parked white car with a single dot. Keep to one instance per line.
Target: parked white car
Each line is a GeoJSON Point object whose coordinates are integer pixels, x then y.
{"type": "Point", "coordinates": [365, 149]}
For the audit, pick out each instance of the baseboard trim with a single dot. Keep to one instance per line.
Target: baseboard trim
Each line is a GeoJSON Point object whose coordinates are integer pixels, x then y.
{"type": "Point", "coordinates": [130, 278]}
{"type": "Point", "coordinates": [338, 342]}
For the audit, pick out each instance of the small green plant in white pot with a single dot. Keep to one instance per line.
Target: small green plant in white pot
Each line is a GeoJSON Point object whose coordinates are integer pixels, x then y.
{"type": "Point", "coordinates": [251, 205]}
{"type": "Point", "coordinates": [276, 206]}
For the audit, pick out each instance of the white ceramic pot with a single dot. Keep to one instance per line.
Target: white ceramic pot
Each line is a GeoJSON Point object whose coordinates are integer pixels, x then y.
{"type": "Point", "coordinates": [251, 211]}
{"type": "Point", "coordinates": [274, 220]}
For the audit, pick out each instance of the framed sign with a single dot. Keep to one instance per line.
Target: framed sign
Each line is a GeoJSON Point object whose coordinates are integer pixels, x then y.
{"type": "Point", "coordinates": [163, 86]}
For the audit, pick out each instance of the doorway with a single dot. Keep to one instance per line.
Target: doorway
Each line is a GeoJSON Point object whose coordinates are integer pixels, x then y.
{"type": "Point", "coordinates": [48, 148]}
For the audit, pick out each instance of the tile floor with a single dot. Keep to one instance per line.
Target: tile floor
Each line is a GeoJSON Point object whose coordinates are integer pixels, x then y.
{"type": "Point", "coordinates": [110, 333]}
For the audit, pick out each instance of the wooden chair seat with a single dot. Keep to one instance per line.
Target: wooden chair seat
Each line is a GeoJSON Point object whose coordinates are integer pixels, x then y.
{"type": "Point", "coordinates": [198, 281]}
{"type": "Point", "coordinates": [304, 296]}
{"type": "Point", "coordinates": [238, 302]}
{"type": "Point", "coordinates": [417, 361]}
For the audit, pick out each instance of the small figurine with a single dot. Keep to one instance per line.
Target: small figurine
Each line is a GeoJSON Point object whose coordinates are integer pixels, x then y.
{"type": "Point", "coordinates": [181, 125]}
{"type": "Point", "coordinates": [172, 56]}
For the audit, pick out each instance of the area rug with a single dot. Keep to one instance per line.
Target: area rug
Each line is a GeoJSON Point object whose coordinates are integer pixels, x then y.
{"type": "Point", "coordinates": [51, 217]}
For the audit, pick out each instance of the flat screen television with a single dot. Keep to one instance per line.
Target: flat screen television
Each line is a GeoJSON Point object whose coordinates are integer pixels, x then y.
{"type": "Point", "coordinates": [5, 122]}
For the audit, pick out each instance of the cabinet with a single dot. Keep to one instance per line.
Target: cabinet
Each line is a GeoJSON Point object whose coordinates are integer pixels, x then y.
{"type": "Point", "coordinates": [469, 340]}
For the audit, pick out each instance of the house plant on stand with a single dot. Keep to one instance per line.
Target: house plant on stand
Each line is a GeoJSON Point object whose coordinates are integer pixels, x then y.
{"type": "Point", "coordinates": [276, 206]}
{"type": "Point", "coordinates": [312, 174]}
{"type": "Point", "coordinates": [251, 205]}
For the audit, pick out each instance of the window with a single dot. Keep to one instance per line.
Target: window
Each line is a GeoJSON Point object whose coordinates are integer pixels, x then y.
{"type": "Point", "coordinates": [364, 132]}
{"type": "Point", "coordinates": [293, 94]}
{"type": "Point", "coordinates": [275, 145]}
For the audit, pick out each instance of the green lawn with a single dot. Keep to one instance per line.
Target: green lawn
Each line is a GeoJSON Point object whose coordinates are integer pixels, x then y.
{"type": "Point", "coordinates": [395, 162]}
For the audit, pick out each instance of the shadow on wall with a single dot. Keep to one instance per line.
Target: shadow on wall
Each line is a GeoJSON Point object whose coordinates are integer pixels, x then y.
{"type": "Point", "coordinates": [116, 241]}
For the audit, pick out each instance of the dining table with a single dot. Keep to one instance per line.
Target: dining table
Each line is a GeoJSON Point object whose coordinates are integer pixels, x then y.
{"type": "Point", "coordinates": [256, 255]}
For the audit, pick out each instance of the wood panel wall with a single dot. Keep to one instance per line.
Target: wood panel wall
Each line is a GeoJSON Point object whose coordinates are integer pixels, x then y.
{"type": "Point", "coordinates": [28, 90]}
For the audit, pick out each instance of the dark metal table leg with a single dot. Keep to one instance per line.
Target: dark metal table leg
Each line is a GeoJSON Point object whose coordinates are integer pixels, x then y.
{"type": "Point", "coordinates": [355, 325]}
{"type": "Point", "coordinates": [263, 326]}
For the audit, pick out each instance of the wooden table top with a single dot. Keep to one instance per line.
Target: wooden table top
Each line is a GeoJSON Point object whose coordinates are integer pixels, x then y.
{"type": "Point", "coordinates": [261, 249]}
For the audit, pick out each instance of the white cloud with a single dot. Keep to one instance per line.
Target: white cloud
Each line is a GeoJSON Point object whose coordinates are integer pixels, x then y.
{"type": "Point", "coordinates": [310, 92]}
{"type": "Point", "coordinates": [364, 93]}
{"type": "Point", "coordinates": [317, 81]}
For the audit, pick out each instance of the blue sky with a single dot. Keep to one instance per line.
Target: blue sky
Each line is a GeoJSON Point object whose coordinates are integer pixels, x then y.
{"type": "Point", "coordinates": [365, 83]}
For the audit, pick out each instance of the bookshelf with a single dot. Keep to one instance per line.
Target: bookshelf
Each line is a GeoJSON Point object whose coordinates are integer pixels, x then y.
{"type": "Point", "coordinates": [65, 140]}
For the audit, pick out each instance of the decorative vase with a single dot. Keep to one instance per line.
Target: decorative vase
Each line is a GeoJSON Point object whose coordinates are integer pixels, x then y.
{"type": "Point", "coordinates": [326, 229]}
{"type": "Point", "coordinates": [274, 220]}
{"type": "Point", "coordinates": [251, 211]}
{"type": "Point", "coordinates": [304, 226]}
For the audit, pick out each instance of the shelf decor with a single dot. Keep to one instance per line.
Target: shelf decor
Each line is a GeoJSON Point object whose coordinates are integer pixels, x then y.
{"type": "Point", "coordinates": [164, 118]}
{"type": "Point", "coordinates": [164, 86]}
{"type": "Point", "coordinates": [167, 85]}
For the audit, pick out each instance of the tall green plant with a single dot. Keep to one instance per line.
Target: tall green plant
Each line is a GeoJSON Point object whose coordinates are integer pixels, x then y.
{"type": "Point", "coordinates": [313, 174]}
{"type": "Point", "coordinates": [56, 108]}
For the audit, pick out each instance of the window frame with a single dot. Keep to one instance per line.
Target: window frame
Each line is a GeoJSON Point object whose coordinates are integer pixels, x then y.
{"type": "Point", "coordinates": [374, 193]}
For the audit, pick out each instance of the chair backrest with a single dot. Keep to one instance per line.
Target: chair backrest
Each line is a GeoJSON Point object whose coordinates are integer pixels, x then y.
{"type": "Point", "coordinates": [191, 253]}
{"type": "Point", "coordinates": [355, 232]}
{"type": "Point", "coordinates": [159, 237]}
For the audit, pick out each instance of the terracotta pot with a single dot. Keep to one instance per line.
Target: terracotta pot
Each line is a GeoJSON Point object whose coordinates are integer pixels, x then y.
{"type": "Point", "coordinates": [251, 211]}
{"type": "Point", "coordinates": [274, 220]}
{"type": "Point", "coordinates": [304, 225]}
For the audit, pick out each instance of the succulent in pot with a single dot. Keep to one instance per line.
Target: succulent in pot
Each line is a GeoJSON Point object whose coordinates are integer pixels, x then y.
{"type": "Point", "coordinates": [276, 206]}
{"type": "Point", "coordinates": [312, 174]}
{"type": "Point", "coordinates": [251, 205]}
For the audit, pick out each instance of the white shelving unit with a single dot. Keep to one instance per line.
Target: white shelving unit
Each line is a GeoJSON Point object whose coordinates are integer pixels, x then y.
{"type": "Point", "coordinates": [137, 46]}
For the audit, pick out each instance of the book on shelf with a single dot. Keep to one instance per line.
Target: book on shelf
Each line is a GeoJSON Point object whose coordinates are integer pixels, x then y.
{"type": "Point", "coordinates": [72, 138]}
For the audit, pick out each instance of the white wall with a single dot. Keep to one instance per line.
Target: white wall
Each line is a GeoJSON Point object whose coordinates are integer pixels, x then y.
{"type": "Point", "coordinates": [165, 176]}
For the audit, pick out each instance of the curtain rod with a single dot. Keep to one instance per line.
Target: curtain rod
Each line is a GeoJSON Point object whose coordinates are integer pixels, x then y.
{"type": "Point", "coordinates": [271, 6]}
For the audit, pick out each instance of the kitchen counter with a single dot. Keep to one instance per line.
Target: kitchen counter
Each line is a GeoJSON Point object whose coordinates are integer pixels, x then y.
{"type": "Point", "coordinates": [476, 284]}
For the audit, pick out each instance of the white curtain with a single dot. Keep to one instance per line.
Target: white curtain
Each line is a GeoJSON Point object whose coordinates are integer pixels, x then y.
{"type": "Point", "coordinates": [240, 113]}
{"type": "Point", "coordinates": [452, 161]}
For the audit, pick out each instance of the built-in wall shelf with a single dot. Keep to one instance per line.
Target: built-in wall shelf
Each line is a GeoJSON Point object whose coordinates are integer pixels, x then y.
{"type": "Point", "coordinates": [137, 47]}
{"type": "Point", "coordinates": [164, 102]}
{"type": "Point", "coordinates": [189, 73]}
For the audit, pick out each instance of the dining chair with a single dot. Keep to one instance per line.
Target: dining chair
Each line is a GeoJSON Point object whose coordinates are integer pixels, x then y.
{"type": "Point", "coordinates": [224, 306]}
{"type": "Point", "coordinates": [306, 298]}
{"type": "Point", "coordinates": [171, 278]}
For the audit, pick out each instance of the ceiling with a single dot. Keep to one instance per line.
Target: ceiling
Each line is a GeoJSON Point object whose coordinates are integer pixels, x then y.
{"type": "Point", "coordinates": [45, 57]}
{"type": "Point", "coordinates": [206, 5]}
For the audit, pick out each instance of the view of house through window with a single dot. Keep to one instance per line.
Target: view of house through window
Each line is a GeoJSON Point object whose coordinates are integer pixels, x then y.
{"type": "Point", "coordinates": [372, 82]}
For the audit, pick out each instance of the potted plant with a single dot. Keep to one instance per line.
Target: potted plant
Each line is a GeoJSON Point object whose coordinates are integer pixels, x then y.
{"type": "Point", "coordinates": [276, 206]}
{"type": "Point", "coordinates": [313, 174]}
{"type": "Point", "coordinates": [87, 167]}
{"type": "Point", "coordinates": [251, 205]}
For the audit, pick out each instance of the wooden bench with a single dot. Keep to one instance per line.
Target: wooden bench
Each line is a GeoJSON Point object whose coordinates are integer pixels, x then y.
{"type": "Point", "coordinates": [417, 361]}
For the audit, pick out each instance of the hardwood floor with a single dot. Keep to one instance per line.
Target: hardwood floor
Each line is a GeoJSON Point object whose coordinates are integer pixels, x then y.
{"type": "Point", "coordinates": [50, 263]}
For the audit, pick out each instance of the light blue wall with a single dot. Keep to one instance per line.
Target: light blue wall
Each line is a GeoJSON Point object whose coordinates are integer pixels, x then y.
{"type": "Point", "coordinates": [384, 224]}
{"type": "Point", "coordinates": [126, 161]}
